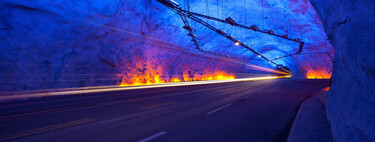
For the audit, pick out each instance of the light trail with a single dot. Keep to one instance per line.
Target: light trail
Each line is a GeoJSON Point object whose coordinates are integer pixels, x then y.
{"type": "Point", "coordinates": [88, 90]}
{"type": "Point", "coordinates": [265, 69]}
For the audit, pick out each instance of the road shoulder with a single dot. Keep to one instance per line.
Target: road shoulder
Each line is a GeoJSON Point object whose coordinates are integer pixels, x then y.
{"type": "Point", "coordinates": [311, 124]}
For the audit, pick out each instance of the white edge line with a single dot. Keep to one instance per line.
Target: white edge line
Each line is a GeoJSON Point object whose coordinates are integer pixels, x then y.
{"type": "Point", "coordinates": [152, 137]}
{"type": "Point", "coordinates": [246, 97]}
{"type": "Point", "coordinates": [220, 108]}
{"type": "Point", "coordinates": [170, 84]}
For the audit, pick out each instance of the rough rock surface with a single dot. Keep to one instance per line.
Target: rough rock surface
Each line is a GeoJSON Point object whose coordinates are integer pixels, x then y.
{"type": "Point", "coordinates": [57, 44]}
{"type": "Point", "coordinates": [351, 100]}
{"type": "Point", "coordinates": [310, 124]}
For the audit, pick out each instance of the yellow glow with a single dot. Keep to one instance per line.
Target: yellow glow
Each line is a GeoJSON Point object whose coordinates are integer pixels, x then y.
{"type": "Point", "coordinates": [154, 78]}
{"type": "Point", "coordinates": [318, 74]}
{"type": "Point", "coordinates": [218, 75]}
{"type": "Point", "coordinates": [176, 80]}
{"type": "Point", "coordinates": [265, 69]}
{"type": "Point", "coordinates": [117, 88]}
{"type": "Point", "coordinates": [237, 43]}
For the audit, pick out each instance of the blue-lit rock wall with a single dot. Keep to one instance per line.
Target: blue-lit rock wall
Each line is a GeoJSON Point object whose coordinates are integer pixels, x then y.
{"type": "Point", "coordinates": [57, 44]}
{"type": "Point", "coordinates": [351, 103]}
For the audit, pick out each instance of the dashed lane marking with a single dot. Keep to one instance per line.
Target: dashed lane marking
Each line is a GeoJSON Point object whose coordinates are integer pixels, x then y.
{"type": "Point", "coordinates": [220, 108]}
{"type": "Point", "coordinates": [158, 105]}
{"type": "Point", "coordinates": [152, 137]}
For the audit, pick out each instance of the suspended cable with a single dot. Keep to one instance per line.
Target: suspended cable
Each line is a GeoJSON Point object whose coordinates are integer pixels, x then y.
{"type": "Point", "coordinates": [245, 13]}
{"type": "Point", "coordinates": [192, 15]}
{"type": "Point", "coordinates": [327, 53]}
{"type": "Point", "coordinates": [207, 8]}
{"type": "Point", "coordinates": [263, 14]}
{"type": "Point", "coordinates": [166, 44]}
{"type": "Point", "coordinates": [225, 14]}
{"type": "Point", "coordinates": [278, 18]}
{"type": "Point", "coordinates": [235, 28]}
{"type": "Point", "coordinates": [278, 22]}
{"type": "Point", "coordinates": [188, 5]}
{"type": "Point", "coordinates": [218, 13]}
{"type": "Point", "coordinates": [222, 9]}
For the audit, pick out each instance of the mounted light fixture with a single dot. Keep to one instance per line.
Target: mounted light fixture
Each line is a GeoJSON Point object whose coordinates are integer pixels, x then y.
{"type": "Point", "coordinates": [184, 14]}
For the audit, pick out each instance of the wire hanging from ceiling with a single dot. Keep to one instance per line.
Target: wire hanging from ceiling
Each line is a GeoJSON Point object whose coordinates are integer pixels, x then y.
{"type": "Point", "coordinates": [207, 9]}
{"type": "Point", "coordinates": [184, 4]}
{"type": "Point", "coordinates": [188, 5]}
{"type": "Point", "coordinates": [263, 14]}
{"type": "Point", "coordinates": [222, 9]}
{"type": "Point", "coordinates": [218, 13]}
{"type": "Point", "coordinates": [245, 12]}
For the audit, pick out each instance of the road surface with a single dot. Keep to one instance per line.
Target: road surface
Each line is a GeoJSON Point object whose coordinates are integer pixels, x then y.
{"type": "Point", "coordinates": [238, 111]}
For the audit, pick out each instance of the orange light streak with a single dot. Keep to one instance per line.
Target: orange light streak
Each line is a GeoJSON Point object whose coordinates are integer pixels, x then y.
{"type": "Point", "coordinates": [326, 89]}
{"type": "Point", "coordinates": [266, 69]}
{"type": "Point", "coordinates": [85, 90]}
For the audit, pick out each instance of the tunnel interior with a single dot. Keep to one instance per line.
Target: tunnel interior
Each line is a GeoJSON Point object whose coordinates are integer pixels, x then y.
{"type": "Point", "coordinates": [75, 44]}
{"type": "Point", "coordinates": [57, 44]}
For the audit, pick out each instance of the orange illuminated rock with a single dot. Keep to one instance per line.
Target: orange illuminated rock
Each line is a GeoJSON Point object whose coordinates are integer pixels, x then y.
{"type": "Point", "coordinates": [151, 76]}
{"type": "Point", "coordinates": [317, 74]}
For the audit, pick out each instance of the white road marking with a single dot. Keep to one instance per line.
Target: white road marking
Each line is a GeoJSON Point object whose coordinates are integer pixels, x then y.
{"type": "Point", "coordinates": [244, 98]}
{"type": "Point", "coordinates": [152, 137]}
{"type": "Point", "coordinates": [87, 90]}
{"type": "Point", "coordinates": [220, 108]}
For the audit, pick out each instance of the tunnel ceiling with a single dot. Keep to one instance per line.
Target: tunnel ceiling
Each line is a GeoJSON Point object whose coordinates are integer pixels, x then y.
{"type": "Point", "coordinates": [296, 18]}
{"type": "Point", "coordinates": [55, 38]}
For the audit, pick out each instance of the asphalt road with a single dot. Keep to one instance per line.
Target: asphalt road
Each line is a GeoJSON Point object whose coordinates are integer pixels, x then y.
{"type": "Point", "coordinates": [229, 112]}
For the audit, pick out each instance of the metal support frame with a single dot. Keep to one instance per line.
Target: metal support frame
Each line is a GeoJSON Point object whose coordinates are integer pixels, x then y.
{"type": "Point", "coordinates": [191, 32]}
{"type": "Point", "coordinates": [187, 14]}
{"type": "Point", "coordinates": [327, 53]}
{"type": "Point", "coordinates": [301, 43]}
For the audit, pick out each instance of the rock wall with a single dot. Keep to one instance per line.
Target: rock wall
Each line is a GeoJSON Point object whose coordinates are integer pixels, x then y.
{"type": "Point", "coordinates": [57, 44]}
{"type": "Point", "coordinates": [350, 26]}
{"type": "Point", "coordinates": [60, 44]}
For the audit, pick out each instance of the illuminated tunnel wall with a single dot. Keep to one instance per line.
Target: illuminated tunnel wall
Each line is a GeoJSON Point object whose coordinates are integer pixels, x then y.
{"type": "Point", "coordinates": [57, 44]}
{"type": "Point", "coordinates": [350, 100]}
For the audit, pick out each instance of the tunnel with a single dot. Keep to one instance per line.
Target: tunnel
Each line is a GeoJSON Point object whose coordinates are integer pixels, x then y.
{"type": "Point", "coordinates": [187, 70]}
